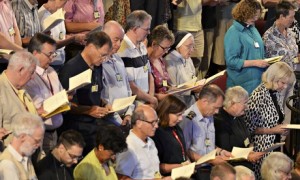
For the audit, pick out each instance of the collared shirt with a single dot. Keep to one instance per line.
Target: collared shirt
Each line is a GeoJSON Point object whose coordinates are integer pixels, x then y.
{"type": "Point", "coordinates": [115, 82]}
{"type": "Point", "coordinates": [199, 132]}
{"type": "Point", "coordinates": [278, 45]}
{"type": "Point", "coordinates": [91, 168]}
{"type": "Point", "coordinates": [58, 33]}
{"type": "Point", "coordinates": [27, 17]}
{"type": "Point", "coordinates": [7, 19]}
{"type": "Point", "coordinates": [136, 62]}
{"type": "Point", "coordinates": [140, 161]}
{"type": "Point", "coordinates": [44, 85]}
{"type": "Point", "coordinates": [7, 167]}
{"type": "Point", "coordinates": [83, 11]}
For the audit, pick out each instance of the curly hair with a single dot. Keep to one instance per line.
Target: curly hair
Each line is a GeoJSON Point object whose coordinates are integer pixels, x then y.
{"type": "Point", "coordinates": [245, 9]}
{"type": "Point", "coordinates": [160, 33]}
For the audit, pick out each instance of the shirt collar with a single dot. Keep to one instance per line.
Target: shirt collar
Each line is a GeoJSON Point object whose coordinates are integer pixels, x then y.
{"type": "Point", "coordinates": [130, 43]}
{"type": "Point", "coordinates": [141, 142]}
{"type": "Point", "coordinates": [30, 6]}
{"type": "Point", "coordinates": [16, 155]}
{"type": "Point", "coordinates": [40, 71]}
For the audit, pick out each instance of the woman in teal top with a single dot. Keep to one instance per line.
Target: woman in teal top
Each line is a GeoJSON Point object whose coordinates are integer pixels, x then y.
{"type": "Point", "coordinates": [97, 164]}
{"type": "Point", "coordinates": [244, 48]}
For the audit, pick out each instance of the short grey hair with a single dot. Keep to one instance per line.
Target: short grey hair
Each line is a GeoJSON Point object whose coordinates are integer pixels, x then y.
{"type": "Point", "coordinates": [136, 19]}
{"type": "Point", "coordinates": [242, 171]}
{"type": "Point", "coordinates": [26, 123]}
{"type": "Point", "coordinates": [273, 165]}
{"type": "Point", "coordinates": [211, 92]}
{"type": "Point", "coordinates": [22, 59]}
{"type": "Point", "coordinates": [276, 72]}
{"type": "Point", "coordinates": [138, 114]}
{"type": "Point", "coordinates": [234, 95]}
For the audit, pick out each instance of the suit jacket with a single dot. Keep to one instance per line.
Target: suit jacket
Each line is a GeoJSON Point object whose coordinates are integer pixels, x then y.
{"type": "Point", "coordinates": [10, 104]}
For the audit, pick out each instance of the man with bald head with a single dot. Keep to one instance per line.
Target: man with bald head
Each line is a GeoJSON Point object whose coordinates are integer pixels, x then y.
{"type": "Point", "coordinates": [140, 161]}
{"type": "Point", "coordinates": [115, 79]}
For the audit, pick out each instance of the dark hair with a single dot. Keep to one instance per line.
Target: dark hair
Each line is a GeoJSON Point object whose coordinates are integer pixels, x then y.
{"type": "Point", "coordinates": [37, 41]}
{"type": "Point", "coordinates": [221, 170]}
{"type": "Point", "coordinates": [169, 105]}
{"type": "Point", "coordinates": [245, 10]}
{"type": "Point", "coordinates": [99, 39]}
{"type": "Point", "coordinates": [111, 138]}
{"type": "Point", "coordinates": [283, 9]}
{"type": "Point", "coordinates": [211, 92]}
{"type": "Point", "coordinates": [160, 33]}
{"type": "Point", "coordinates": [178, 36]}
{"type": "Point", "coordinates": [70, 138]}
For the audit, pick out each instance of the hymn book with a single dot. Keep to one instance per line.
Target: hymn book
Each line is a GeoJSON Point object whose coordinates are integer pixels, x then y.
{"type": "Point", "coordinates": [273, 59]}
{"type": "Point", "coordinates": [184, 171]}
{"type": "Point", "coordinates": [80, 80]}
{"type": "Point", "coordinates": [240, 153]}
{"type": "Point", "coordinates": [56, 104]}
{"type": "Point", "coordinates": [53, 20]}
{"type": "Point", "coordinates": [207, 157]}
{"type": "Point", "coordinates": [122, 103]}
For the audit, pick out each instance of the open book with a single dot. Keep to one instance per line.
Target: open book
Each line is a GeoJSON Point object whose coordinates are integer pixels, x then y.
{"type": "Point", "coordinates": [274, 146]}
{"type": "Point", "coordinates": [80, 80]}
{"type": "Point", "coordinates": [56, 104]}
{"type": "Point", "coordinates": [53, 20]}
{"type": "Point", "coordinates": [122, 103]}
{"type": "Point", "coordinates": [6, 51]}
{"type": "Point", "coordinates": [184, 171]}
{"type": "Point", "coordinates": [207, 157]}
{"type": "Point", "coordinates": [214, 77]}
{"type": "Point", "coordinates": [292, 126]}
{"type": "Point", "coordinates": [240, 153]}
{"type": "Point", "coordinates": [273, 59]}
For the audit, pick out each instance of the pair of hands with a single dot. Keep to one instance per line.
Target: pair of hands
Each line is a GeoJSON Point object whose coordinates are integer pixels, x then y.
{"type": "Point", "coordinates": [280, 129]}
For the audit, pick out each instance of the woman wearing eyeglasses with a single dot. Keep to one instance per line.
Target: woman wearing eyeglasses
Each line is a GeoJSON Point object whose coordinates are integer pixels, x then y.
{"type": "Point", "coordinates": [180, 65]}
{"type": "Point", "coordinates": [168, 138]}
{"type": "Point", "coordinates": [110, 140]}
{"type": "Point", "coordinates": [159, 43]}
{"type": "Point", "coordinates": [264, 115]}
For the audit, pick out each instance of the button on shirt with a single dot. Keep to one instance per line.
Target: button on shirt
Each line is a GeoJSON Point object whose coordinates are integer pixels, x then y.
{"type": "Point", "coordinates": [140, 161]}
{"type": "Point", "coordinates": [39, 89]}
{"type": "Point", "coordinates": [198, 131]}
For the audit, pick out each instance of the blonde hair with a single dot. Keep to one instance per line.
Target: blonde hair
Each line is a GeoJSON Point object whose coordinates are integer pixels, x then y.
{"type": "Point", "coordinates": [276, 72]}
{"type": "Point", "coordinates": [234, 95]}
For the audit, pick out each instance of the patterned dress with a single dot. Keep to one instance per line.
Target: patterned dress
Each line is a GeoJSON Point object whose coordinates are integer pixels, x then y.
{"type": "Point", "coordinates": [262, 113]}
{"type": "Point", "coordinates": [159, 78]}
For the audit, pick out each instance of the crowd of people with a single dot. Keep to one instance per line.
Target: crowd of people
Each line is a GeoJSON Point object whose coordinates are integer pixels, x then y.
{"type": "Point", "coordinates": [147, 49]}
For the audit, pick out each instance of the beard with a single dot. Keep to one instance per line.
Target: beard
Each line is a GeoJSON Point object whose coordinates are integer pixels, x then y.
{"type": "Point", "coordinates": [27, 149]}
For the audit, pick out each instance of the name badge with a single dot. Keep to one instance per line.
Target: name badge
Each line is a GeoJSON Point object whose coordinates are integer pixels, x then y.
{"type": "Point", "coordinates": [145, 68]}
{"type": "Point", "coordinates": [11, 31]}
{"type": "Point", "coordinates": [207, 142]}
{"type": "Point", "coordinates": [119, 77]}
{"type": "Point", "coordinates": [165, 83]}
{"type": "Point", "coordinates": [96, 14]}
{"type": "Point", "coordinates": [256, 45]}
{"type": "Point", "coordinates": [95, 88]}
{"type": "Point", "coordinates": [246, 142]}
{"type": "Point", "coordinates": [61, 36]}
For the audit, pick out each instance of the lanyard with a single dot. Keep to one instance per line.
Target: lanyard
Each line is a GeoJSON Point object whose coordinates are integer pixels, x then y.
{"type": "Point", "coordinates": [177, 138]}
{"type": "Point", "coordinates": [49, 88]}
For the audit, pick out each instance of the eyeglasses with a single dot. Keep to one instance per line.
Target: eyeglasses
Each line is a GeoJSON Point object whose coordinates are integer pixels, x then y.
{"type": "Point", "coordinates": [36, 141]}
{"type": "Point", "coordinates": [50, 54]}
{"type": "Point", "coordinates": [72, 156]}
{"type": "Point", "coordinates": [166, 49]}
{"type": "Point", "coordinates": [101, 56]}
{"type": "Point", "coordinates": [153, 123]}
{"type": "Point", "coordinates": [145, 29]}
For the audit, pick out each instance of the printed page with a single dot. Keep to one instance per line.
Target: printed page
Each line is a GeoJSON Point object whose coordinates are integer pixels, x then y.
{"type": "Point", "coordinates": [240, 153]}
{"type": "Point", "coordinates": [122, 103]}
{"type": "Point", "coordinates": [207, 157]}
{"type": "Point", "coordinates": [292, 126]}
{"type": "Point", "coordinates": [56, 101]}
{"type": "Point", "coordinates": [80, 80]}
{"type": "Point", "coordinates": [210, 79]}
{"type": "Point", "coordinates": [6, 51]}
{"type": "Point", "coordinates": [184, 171]}
{"type": "Point", "coordinates": [53, 20]}
{"type": "Point", "coordinates": [273, 59]}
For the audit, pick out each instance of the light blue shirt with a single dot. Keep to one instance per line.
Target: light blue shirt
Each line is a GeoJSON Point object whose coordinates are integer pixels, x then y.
{"type": "Point", "coordinates": [199, 133]}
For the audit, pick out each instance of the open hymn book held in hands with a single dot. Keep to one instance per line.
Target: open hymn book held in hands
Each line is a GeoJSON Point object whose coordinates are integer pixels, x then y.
{"type": "Point", "coordinates": [193, 84]}
{"type": "Point", "coordinates": [53, 20]}
{"type": "Point", "coordinates": [80, 80]}
{"type": "Point", "coordinates": [122, 103]}
{"type": "Point", "coordinates": [56, 104]}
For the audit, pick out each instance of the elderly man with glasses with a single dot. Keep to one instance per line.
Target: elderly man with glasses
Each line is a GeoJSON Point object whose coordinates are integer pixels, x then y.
{"type": "Point", "coordinates": [44, 84]}
{"type": "Point", "coordinates": [140, 161]}
{"type": "Point", "coordinates": [58, 163]}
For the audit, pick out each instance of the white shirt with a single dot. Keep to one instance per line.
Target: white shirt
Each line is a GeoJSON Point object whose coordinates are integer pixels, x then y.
{"type": "Point", "coordinates": [140, 161]}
